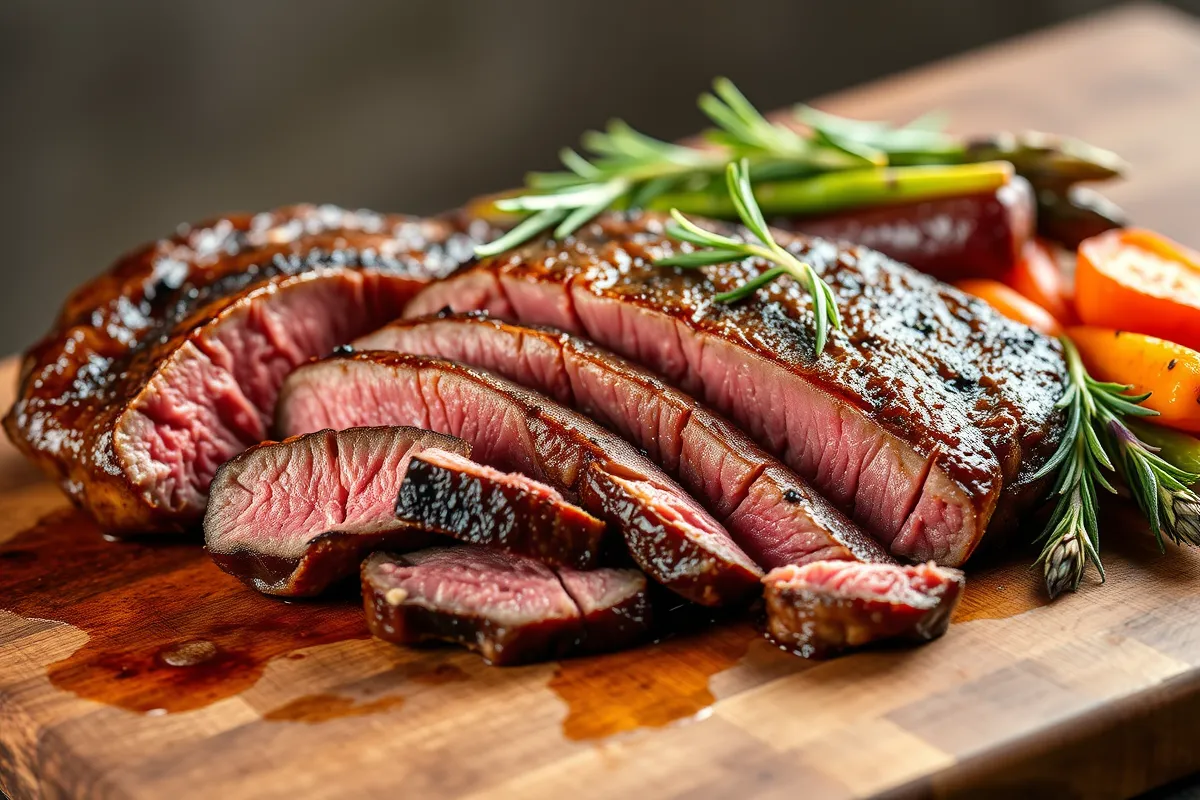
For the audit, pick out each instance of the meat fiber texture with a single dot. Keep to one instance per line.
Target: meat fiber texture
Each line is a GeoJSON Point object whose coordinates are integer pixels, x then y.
{"type": "Point", "coordinates": [772, 514]}
{"type": "Point", "coordinates": [925, 419]}
{"type": "Point", "coordinates": [291, 518]}
{"type": "Point", "coordinates": [827, 607]}
{"type": "Point", "coordinates": [513, 429]}
{"type": "Point", "coordinates": [512, 609]}
{"type": "Point", "coordinates": [160, 370]}
{"type": "Point", "coordinates": [450, 495]}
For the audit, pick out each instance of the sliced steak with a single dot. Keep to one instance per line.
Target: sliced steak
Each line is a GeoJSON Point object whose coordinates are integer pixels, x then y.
{"type": "Point", "coordinates": [924, 419]}
{"type": "Point", "coordinates": [775, 516]}
{"type": "Point", "coordinates": [513, 429]}
{"type": "Point", "coordinates": [825, 607]}
{"type": "Point", "coordinates": [168, 365]}
{"type": "Point", "coordinates": [510, 608]}
{"type": "Point", "coordinates": [454, 496]}
{"type": "Point", "coordinates": [290, 518]}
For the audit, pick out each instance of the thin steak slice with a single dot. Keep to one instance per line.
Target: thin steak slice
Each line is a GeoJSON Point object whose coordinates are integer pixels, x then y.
{"type": "Point", "coordinates": [825, 607]}
{"type": "Point", "coordinates": [454, 496]}
{"type": "Point", "coordinates": [292, 517]}
{"type": "Point", "coordinates": [162, 369]}
{"type": "Point", "coordinates": [926, 417]}
{"type": "Point", "coordinates": [510, 608]}
{"type": "Point", "coordinates": [513, 429]}
{"type": "Point", "coordinates": [775, 516]}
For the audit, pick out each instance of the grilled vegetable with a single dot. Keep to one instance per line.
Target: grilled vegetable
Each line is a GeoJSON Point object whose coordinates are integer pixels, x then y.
{"type": "Point", "coordinates": [1012, 304]}
{"type": "Point", "coordinates": [1140, 281]}
{"type": "Point", "coordinates": [1169, 371]}
{"type": "Point", "coordinates": [1038, 277]}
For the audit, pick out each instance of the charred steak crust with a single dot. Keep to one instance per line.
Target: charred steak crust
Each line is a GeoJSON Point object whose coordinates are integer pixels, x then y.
{"type": "Point", "coordinates": [292, 518]}
{"type": "Point", "coordinates": [673, 539]}
{"type": "Point", "coordinates": [824, 608]}
{"type": "Point", "coordinates": [455, 497]}
{"type": "Point", "coordinates": [773, 514]}
{"type": "Point", "coordinates": [961, 398]}
{"type": "Point", "coordinates": [105, 369]}
{"type": "Point", "coordinates": [511, 609]}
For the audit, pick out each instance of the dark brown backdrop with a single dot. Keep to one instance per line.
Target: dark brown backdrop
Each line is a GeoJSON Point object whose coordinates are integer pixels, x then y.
{"type": "Point", "coordinates": [123, 118]}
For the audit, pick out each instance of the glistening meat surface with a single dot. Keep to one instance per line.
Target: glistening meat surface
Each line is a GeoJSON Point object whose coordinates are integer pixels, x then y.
{"type": "Point", "coordinates": [290, 518]}
{"type": "Point", "coordinates": [776, 517]}
{"type": "Point", "coordinates": [825, 607]}
{"type": "Point", "coordinates": [168, 365]}
{"type": "Point", "coordinates": [924, 419]}
{"type": "Point", "coordinates": [513, 429]}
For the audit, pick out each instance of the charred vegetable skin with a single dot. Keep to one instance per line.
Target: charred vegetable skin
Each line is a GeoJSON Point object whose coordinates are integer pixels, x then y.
{"type": "Point", "coordinates": [977, 235]}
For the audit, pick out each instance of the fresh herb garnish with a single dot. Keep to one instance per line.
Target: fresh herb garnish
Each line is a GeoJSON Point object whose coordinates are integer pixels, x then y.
{"type": "Point", "coordinates": [724, 249]}
{"type": "Point", "coordinates": [795, 169]}
{"type": "Point", "coordinates": [1097, 441]}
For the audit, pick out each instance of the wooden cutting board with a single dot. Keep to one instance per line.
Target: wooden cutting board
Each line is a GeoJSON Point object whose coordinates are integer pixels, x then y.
{"type": "Point", "coordinates": [140, 670]}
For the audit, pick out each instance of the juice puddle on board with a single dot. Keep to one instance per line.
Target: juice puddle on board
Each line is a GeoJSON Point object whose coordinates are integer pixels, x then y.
{"type": "Point", "coordinates": [167, 629]}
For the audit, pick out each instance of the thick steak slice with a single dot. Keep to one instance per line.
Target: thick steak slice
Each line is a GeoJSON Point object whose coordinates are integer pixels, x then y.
{"type": "Point", "coordinates": [775, 516]}
{"type": "Point", "coordinates": [454, 496]}
{"type": "Point", "coordinates": [510, 608]}
{"type": "Point", "coordinates": [825, 607]}
{"type": "Point", "coordinates": [510, 428]}
{"type": "Point", "coordinates": [925, 418]}
{"type": "Point", "coordinates": [290, 518]}
{"type": "Point", "coordinates": [168, 365]}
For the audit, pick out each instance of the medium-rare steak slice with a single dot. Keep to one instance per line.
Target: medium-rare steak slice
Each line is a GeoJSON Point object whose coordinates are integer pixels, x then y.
{"type": "Point", "coordinates": [512, 609]}
{"type": "Point", "coordinates": [774, 516]}
{"type": "Point", "coordinates": [168, 365]}
{"type": "Point", "coordinates": [292, 517]}
{"type": "Point", "coordinates": [825, 607]}
{"type": "Point", "coordinates": [454, 496]}
{"type": "Point", "coordinates": [613, 604]}
{"type": "Point", "coordinates": [513, 429]}
{"type": "Point", "coordinates": [924, 419]}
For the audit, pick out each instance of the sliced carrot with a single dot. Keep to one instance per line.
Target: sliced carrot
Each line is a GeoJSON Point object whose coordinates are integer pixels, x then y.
{"type": "Point", "coordinates": [1171, 372]}
{"type": "Point", "coordinates": [1038, 276]}
{"type": "Point", "coordinates": [1140, 281]}
{"type": "Point", "coordinates": [1012, 304]}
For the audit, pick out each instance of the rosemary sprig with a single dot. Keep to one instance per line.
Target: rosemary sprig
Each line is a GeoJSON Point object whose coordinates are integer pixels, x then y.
{"type": "Point", "coordinates": [724, 249]}
{"type": "Point", "coordinates": [1097, 441]}
{"type": "Point", "coordinates": [628, 169]}
{"type": "Point", "coordinates": [812, 163]}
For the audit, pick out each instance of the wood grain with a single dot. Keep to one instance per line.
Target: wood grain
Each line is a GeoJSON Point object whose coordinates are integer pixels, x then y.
{"type": "Point", "coordinates": [1097, 695]}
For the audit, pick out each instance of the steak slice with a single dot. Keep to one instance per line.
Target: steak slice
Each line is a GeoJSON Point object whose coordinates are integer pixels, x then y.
{"type": "Point", "coordinates": [451, 495]}
{"type": "Point", "coordinates": [825, 607]}
{"type": "Point", "coordinates": [510, 608]}
{"type": "Point", "coordinates": [290, 518]}
{"type": "Point", "coordinates": [168, 365]}
{"type": "Point", "coordinates": [669, 535]}
{"type": "Point", "coordinates": [925, 418]}
{"type": "Point", "coordinates": [771, 513]}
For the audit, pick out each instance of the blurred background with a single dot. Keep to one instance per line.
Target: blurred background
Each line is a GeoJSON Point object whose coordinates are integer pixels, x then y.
{"type": "Point", "coordinates": [126, 117]}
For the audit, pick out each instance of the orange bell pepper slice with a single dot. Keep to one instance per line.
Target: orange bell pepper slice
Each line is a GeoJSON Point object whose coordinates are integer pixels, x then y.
{"type": "Point", "coordinates": [1136, 280]}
